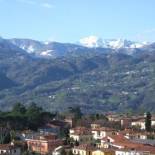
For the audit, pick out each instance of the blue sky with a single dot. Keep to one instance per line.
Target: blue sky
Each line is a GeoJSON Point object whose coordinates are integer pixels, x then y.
{"type": "Point", "coordinates": [71, 20]}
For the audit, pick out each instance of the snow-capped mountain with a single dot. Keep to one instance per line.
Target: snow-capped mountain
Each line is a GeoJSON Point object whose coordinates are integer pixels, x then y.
{"type": "Point", "coordinates": [29, 45]}
{"type": "Point", "coordinates": [5, 45]}
{"type": "Point", "coordinates": [86, 45]}
{"type": "Point", "coordinates": [46, 49]}
{"type": "Point", "coordinates": [94, 42]}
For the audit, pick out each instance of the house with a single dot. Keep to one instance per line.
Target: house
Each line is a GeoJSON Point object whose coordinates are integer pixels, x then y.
{"type": "Point", "coordinates": [101, 132]}
{"type": "Point", "coordinates": [131, 134]}
{"type": "Point", "coordinates": [140, 123]}
{"type": "Point", "coordinates": [84, 149]}
{"type": "Point", "coordinates": [54, 126]}
{"type": "Point", "coordinates": [44, 144]}
{"type": "Point", "coordinates": [142, 150]}
{"type": "Point", "coordinates": [81, 134]}
{"type": "Point", "coordinates": [118, 141]}
{"type": "Point", "coordinates": [114, 117]}
{"type": "Point", "coordinates": [103, 152]}
{"type": "Point", "coordinates": [131, 152]}
{"type": "Point", "coordinates": [127, 147]}
{"type": "Point", "coordinates": [97, 124]}
{"type": "Point", "coordinates": [27, 134]}
{"type": "Point", "coordinates": [126, 122]}
{"type": "Point", "coordinates": [9, 149]}
{"type": "Point", "coordinates": [153, 121]}
{"type": "Point", "coordinates": [49, 129]}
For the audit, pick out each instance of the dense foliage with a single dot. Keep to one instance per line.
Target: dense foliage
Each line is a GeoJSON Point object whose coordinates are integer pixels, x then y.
{"type": "Point", "coordinates": [20, 117]}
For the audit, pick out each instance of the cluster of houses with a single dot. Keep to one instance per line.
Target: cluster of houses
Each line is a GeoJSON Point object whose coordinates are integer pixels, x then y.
{"type": "Point", "coordinates": [91, 138]}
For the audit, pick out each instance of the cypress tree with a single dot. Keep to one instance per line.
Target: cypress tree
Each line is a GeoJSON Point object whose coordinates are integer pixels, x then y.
{"type": "Point", "coordinates": [148, 121]}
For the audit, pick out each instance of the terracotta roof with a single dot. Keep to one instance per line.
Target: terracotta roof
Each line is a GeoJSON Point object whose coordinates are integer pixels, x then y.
{"type": "Point", "coordinates": [118, 137]}
{"type": "Point", "coordinates": [130, 131]}
{"type": "Point", "coordinates": [120, 140]}
{"type": "Point", "coordinates": [140, 119]}
{"type": "Point", "coordinates": [151, 149]}
{"type": "Point", "coordinates": [81, 131]}
{"type": "Point", "coordinates": [85, 147]}
{"type": "Point", "coordinates": [48, 137]}
{"type": "Point", "coordinates": [103, 129]}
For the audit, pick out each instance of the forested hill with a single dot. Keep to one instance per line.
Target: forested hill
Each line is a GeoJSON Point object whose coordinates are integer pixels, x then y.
{"type": "Point", "coordinates": [96, 81]}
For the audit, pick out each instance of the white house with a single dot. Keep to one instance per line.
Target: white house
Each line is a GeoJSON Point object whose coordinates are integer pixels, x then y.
{"type": "Point", "coordinates": [141, 123]}
{"type": "Point", "coordinates": [99, 133]}
{"type": "Point", "coordinates": [131, 152]}
{"type": "Point", "coordinates": [81, 134]}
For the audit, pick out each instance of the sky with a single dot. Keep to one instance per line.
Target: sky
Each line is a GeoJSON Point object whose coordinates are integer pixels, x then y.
{"type": "Point", "coordinates": [71, 20]}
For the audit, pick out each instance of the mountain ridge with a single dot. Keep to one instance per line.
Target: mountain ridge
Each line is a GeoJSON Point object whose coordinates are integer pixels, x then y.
{"type": "Point", "coordinates": [57, 49]}
{"type": "Point", "coordinates": [96, 79]}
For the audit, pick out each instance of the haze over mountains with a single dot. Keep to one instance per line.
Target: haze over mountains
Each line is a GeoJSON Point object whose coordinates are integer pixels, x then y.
{"type": "Point", "coordinates": [98, 75]}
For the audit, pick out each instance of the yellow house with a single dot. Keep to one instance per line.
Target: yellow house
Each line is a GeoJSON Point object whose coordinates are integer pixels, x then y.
{"type": "Point", "coordinates": [84, 149]}
{"type": "Point", "coordinates": [103, 152]}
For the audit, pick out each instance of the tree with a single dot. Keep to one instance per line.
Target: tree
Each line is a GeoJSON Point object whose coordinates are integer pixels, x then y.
{"type": "Point", "coordinates": [18, 108]}
{"type": "Point", "coordinates": [33, 114]}
{"type": "Point", "coordinates": [148, 121]}
{"type": "Point", "coordinates": [76, 143]}
{"type": "Point", "coordinates": [5, 137]}
{"type": "Point", "coordinates": [76, 111]}
{"type": "Point", "coordinates": [97, 116]}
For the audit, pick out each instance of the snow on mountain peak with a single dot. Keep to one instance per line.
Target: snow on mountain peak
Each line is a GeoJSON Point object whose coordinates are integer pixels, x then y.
{"type": "Point", "coordinates": [94, 41]}
{"type": "Point", "coordinates": [91, 41]}
{"type": "Point", "coordinates": [47, 42]}
{"type": "Point", "coordinates": [46, 53]}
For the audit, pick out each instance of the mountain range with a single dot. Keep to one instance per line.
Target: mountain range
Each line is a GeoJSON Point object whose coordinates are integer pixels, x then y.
{"type": "Point", "coordinates": [85, 45]}
{"type": "Point", "coordinates": [93, 41]}
{"type": "Point", "coordinates": [98, 75]}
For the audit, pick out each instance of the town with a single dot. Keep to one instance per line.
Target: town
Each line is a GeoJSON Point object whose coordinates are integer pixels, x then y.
{"type": "Point", "coordinates": [32, 131]}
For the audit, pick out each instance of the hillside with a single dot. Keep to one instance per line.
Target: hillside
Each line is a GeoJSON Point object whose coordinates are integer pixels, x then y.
{"type": "Point", "coordinates": [96, 80]}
